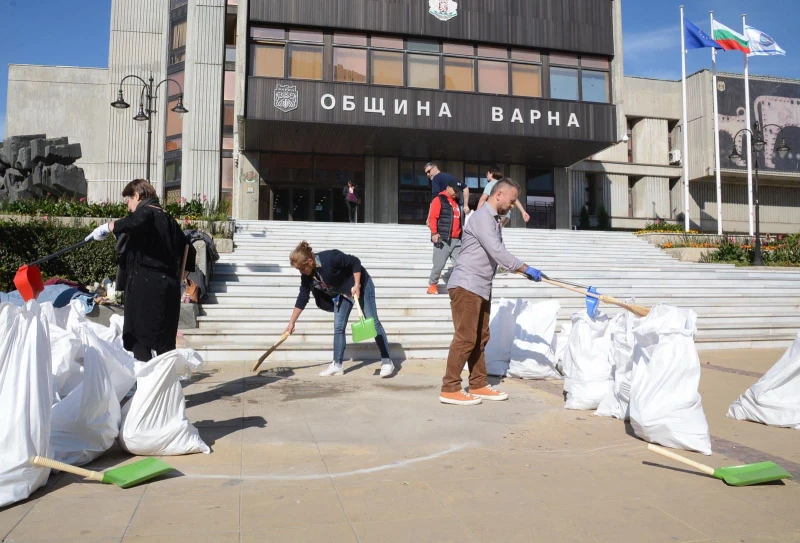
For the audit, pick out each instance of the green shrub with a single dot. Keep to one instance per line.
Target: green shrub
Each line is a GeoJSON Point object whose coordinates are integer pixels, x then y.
{"type": "Point", "coordinates": [583, 222]}
{"type": "Point", "coordinates": [785, 252]}
{"type": "Point", "coordinates": [663, 227]}
{"type": "Point", "coordinates": [603, 219]}
{"type": "Point", "coordinates": [25, 243]}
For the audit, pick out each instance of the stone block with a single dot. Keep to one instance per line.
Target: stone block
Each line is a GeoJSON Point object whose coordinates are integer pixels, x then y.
{"type": "Point", "coordinates": [3, 163]}
{"type": "Point", "coordinates": [62, 154]}
{"type": "Point", "coordinates": [24, 159]}
{"type": "Point", "coordinates": [69, 181]}
{"type": "Point", "coordinates": [20, 187]}
{"type": "Point", "coordinates": [188, 318]}
{"type": "Point", "coordinates": [224, 245]}
{"type": "Point", "coordinates": [12, 145]}
{"type": "Point", "coordinates": [39, 146]}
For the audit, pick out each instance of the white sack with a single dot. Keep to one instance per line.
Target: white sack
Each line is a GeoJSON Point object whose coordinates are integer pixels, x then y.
{"type": "Point", "coordinates": [502, 324]}
{"type": "Point", "coordinates": [25, 399]}
{"type": "Point", "coordinates": [120, 364]}
{"type": "Point", "coordinates": [665, 406]}
{"type": "Point", "coordinates": [562, 339]}
{"type": "Point", "coordinates": [77, 318]}
{"type": "Point", "coordinates": [775, 398]}
{"type": "Point", "coordinates": [65, 350]}
{"type": "Point", "coordinates": [587, 371]}
{"type": "Point", "coordinates": [616, 402]}
{"type": "Point", "coordinates": [86, 422]}
{"type": "Point", "coordinates": [533, 349]}
{"type": "Point", "coordinates": [154, 421]}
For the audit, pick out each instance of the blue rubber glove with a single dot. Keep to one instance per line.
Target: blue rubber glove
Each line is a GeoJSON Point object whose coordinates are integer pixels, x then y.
{"type": "Point", "coordinates": [533, 274]}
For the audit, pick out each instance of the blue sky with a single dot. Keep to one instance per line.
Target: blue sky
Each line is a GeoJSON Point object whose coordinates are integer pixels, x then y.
{"type": "Point", "coordinates": [76, 33]}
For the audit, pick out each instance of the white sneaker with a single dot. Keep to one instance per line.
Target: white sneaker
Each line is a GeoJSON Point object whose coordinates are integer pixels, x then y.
{"type": "Point", "coordinates": [387, 367]}
{"type": "Point", "coordinates": [333, 369]}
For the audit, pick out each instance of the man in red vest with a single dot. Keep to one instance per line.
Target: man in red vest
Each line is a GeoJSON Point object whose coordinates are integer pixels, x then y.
{"type": "Point", "coordinates": [444, 220]}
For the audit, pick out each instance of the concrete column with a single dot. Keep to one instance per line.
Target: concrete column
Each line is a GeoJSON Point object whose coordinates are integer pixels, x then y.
{"type": "Point", "coordinates": [617, 196]}
{"type": "Point", "coordinates": [563, 199]}
{"type": "Point", "coordinates": [651, 198]}
{"type": "Point", "coordinates": [246, 187]}
{"type": "Point", "coordinates": [388, 183]}
{"type": "Point", "coordinates": [239, 100]}
{"type": "Point", "coordinates": [371, 165]}
{"type": "Point", "coordinates": [650, 143]}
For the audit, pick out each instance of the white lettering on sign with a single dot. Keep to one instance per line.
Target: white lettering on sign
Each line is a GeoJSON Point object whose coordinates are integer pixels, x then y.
{"type": "Point", "coordinates": [374, 108]}
{"type": "Point", "coordinates": [445, 110]}
{"type": "Point", "coordinates": [517, 117]}
{"type": "Point", "coordinates": [328, 101]}
{"type": "Point", "coordinates": [573, 121]}
{"type": "Point", "coordinates": [426, 108]}
{"type": "Point", "coordinates": [535, 115]}
{"type": "Point", "coordinates": [553, 116]}
{"type": "Point", "coordinates": [401, 107]}
{"type": "Point", "coordinates": [497, 114]}
{"type": "Point", "coordinates": [349, 103]}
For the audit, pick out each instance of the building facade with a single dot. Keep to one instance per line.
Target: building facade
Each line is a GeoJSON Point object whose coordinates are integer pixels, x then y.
{"type": "Point", "coordinates": [289, 99]}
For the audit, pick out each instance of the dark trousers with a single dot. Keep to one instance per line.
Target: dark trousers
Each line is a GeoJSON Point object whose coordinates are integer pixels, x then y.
{"type": "Point", "coordinates": [352, 207]}
{"type": "Point", "coordinates": [143, 353]}
{"type": "Point", "coordinates": [471, 322]}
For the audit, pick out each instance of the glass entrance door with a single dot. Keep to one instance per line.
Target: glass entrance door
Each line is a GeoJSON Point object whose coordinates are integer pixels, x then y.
{"type": "Point", "coordinates": [541, 198]}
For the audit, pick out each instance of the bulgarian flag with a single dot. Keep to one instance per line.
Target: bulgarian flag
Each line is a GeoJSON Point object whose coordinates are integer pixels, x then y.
{"type": "Point", "coordinates": [729, 39]}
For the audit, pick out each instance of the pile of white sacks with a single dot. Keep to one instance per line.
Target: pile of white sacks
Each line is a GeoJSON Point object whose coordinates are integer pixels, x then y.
{"type": "Point", "coordinates": [62, 382]}
{"type": "Point", "coordinates": [645, 371]}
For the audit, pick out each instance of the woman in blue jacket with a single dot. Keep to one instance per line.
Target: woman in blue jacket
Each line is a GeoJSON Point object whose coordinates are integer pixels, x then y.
{"type": "Point", "coordinates": [335, 279]}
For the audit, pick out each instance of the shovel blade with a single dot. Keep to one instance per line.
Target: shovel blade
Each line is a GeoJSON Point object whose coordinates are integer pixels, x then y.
{"type": "Point", "coordinates": [136, 472]}
{"type": "Point", "coordinates": [364, 330]}
{"type": "Point", "coordinates": [752, 474]}
{"type": "Point", "coordinates": [592, 303]}
{"type": "Point", "coordinates": [28, 281]}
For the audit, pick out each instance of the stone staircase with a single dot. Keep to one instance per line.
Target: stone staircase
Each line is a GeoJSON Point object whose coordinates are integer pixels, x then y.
{"type": "Point", "coordinates": [254, 289]}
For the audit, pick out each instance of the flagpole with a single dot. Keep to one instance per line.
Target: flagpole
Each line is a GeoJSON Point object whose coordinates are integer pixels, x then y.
{"type": "Point", "coordinates": [685, 128]}
{"type": "Point", "coordinates": [746, 152]}
{"type": "Point", "coordinates": [716, 131]}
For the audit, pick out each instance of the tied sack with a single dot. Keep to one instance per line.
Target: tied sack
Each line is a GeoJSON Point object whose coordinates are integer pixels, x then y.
{"type": "Point", "coordinates": [616, 402]}
{"type": "Point", "coordinates": [25, 397]}
{"type": "Point", "coordinates": [502, 323]}
{"type": "Point", "coordinates": [665, 405]}
{"type": "Point", "coordinates": [533, 353]}
{"type": "Point", "coordinates": [65, 350]}
{"type": "Point", "coordinates": [775, 398]}
{"type": "Point", "coordinates": [588, 373]}
{"type": "Point", "coordinates": [154, 422]}
{"type": "Point", "coordinates": [85, 424]}
{"type": "Point", "coordinates": [562, 339]}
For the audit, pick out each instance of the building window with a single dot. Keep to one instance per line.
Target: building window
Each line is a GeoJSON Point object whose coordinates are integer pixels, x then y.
{"type": "Point", "coordinates": [594, 86]}
{"type": "Point", "coordinates": [387, 68]}
{"type": "Point", "coordinates": [261, 33]}
{"type": "Point", "coordinates": [229, 88]}
{"type": "Point", "coordinates": [305, 61]}
{"type": "Point", "coordinates": [267, 60]}
{"type": "Point", "coordinates": [492, 77]}
{"type": "Point", "coordinates": [227, 118]}
{"type": "Point", "coordinates": [177, 41]}
{"type": "Point", "coordinates": [350, 65]}
{"type": "Point", "coordinates": [423, 71]}
{"type": "Point", "coordinates": [526, 80]}
{"type": "Point", "coordinates": [540, 199]}
{"type": "Point", "coordinates": [172, 172]}
{"type": "Point", "coordinates": [564, 83]}
{"type": "Point", "coordinates": [459, 49]}
{"type": "Point", "coordinates": [385, 42]}
{"type": "Point", "coordinates": [475, 178]}
{"type": "Point", "coordinates": [227, 175]}
{"type": "Point", "coordinates": [630, 141]}
{"type": "Point", "coordinates": [175, 4]}
{"type": "Point", "coordinates": [305, 35]}
{"type": "Point", "coordinates": [174, 127]}
{"type": "Point", "coordinates": [459, 74]}
{"type": "Point", "coordinates": [414, 197]}
{"type": "Point", "coordinates": [340, 38]}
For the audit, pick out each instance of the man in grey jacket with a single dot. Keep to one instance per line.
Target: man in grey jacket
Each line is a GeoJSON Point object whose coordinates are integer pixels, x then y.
{"type": "Point", "coordinates": [470, 289]}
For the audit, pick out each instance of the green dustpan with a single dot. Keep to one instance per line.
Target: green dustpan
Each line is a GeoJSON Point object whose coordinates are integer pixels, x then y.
{"type": "Point", "coordinates": [124, 477]}
{"type": "Point", "coordinates": [745, 475]}
{"type": "Point", "coordinates": [364, 329]}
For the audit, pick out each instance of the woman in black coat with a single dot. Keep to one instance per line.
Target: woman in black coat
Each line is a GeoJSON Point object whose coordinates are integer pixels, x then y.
{"type": "Point", "coordinates": [352, 197]}
{"type": "Point", "coordinates": [153, 256]}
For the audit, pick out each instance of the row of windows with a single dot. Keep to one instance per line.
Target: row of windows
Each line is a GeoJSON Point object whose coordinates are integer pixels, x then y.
{"type": "Point", "coordinates": [427, 64]}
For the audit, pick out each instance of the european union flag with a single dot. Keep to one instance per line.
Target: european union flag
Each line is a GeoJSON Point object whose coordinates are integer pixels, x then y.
{"type": "Point", "coordinates": [696, 38]}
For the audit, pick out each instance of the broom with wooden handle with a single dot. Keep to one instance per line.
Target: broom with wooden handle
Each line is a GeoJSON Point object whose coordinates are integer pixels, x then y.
{"type": "Point", "coordinates": [264, 356]}
{"type": "Point", "coordinates": [638, 310]}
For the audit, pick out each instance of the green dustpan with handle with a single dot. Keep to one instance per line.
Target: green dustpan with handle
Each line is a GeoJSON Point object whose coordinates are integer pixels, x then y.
{"type": "Point", "coordinates": [745, 475]}
{"type": "Point", "coordinates": [124, 476]}
{"type": "Point", "coordinates": [364, 329]}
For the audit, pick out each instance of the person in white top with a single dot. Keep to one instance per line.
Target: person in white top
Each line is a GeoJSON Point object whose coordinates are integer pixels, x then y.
{"type": "Point", "coordinates": [493, 176]}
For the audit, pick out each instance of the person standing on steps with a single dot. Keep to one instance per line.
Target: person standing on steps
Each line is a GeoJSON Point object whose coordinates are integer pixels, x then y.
{"type": "Point", "coordinates": [439, 182]}
{"type": "Point", "coordinates": [336, 280]}
{"type": "Point", "coordinates": [493, 176]}
{"type": "Point", "coordinates": [444, 221]}
{"type": "Point", "coordinates": [152, 260]}
{"type": "Point", "coordinates": [352, 198]}
{"type": "Point", "coordinates": [470, 289]}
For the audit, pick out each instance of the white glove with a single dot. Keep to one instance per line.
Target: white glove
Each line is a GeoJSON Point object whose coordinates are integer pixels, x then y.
{"type": "Point", "coordinates": [100, 233]}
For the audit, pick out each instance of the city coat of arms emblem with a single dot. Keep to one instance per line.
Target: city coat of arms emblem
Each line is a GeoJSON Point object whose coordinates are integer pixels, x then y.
{"type": "Point", "coordinates": [444, 10]}
{"type": "Point", "coordinates": [286, 97]}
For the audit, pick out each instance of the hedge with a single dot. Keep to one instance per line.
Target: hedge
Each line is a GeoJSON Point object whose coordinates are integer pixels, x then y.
{"type": "Point", "coordinates": [24, 243]}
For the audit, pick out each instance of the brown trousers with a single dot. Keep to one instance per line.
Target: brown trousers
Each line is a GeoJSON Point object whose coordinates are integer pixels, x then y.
{"type": "Point", "coordinates": [471, 322]}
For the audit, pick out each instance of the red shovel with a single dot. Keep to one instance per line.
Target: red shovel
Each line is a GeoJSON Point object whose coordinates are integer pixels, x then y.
{"type": "Point", "coordinates": [28, 279]}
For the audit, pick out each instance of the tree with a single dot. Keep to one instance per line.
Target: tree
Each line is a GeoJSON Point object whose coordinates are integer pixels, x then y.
{"type": "Point", "coordinates": [603, 219]}
{"type": "Point", "coordinates": [583, 222]}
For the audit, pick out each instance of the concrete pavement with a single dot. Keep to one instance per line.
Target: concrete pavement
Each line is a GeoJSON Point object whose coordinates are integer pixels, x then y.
{"type": "Point", "coordinates": [357, 458]}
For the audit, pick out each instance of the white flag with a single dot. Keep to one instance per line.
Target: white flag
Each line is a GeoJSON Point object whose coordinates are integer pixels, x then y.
{"type": "Point", "coordinates": [761, 44]}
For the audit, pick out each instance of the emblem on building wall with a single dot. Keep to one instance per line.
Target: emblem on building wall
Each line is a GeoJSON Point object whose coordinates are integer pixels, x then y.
{"type": "Point", "coordinates": [444, 10]}
{"type": "Point", "coordinates": [286, 97]}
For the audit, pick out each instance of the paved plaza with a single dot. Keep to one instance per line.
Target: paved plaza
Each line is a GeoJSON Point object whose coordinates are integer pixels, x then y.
{"type": "Point", "coordinates": [357, 458]}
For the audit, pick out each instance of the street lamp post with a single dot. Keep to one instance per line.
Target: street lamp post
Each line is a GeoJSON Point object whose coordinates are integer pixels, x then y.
{"type": "Point", "coordinates": [757, 144]}
{"type": "Point", "coordinates": [147, 96]}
